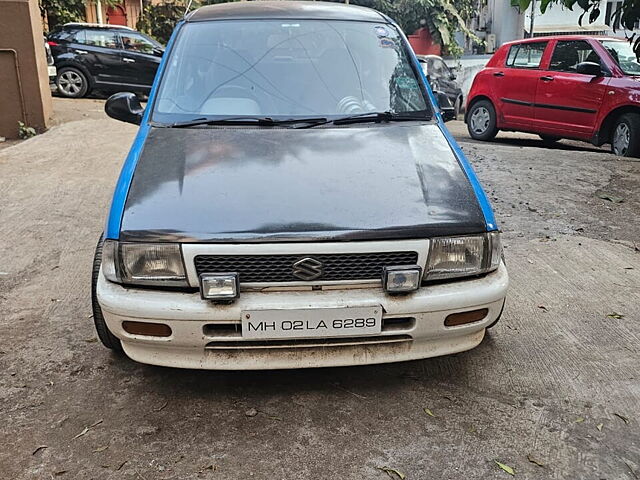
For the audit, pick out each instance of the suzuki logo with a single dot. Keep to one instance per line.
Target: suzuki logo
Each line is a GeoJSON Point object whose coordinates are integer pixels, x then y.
{"type": "Point", "coordinates": [307, 269]}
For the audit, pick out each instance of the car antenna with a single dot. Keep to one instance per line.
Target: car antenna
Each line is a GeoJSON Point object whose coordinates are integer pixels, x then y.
{"type": "Point", "coordinates": [188, 7]}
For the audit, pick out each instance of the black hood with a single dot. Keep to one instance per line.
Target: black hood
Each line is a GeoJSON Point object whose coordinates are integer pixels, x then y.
{"type": "Point", "coordinates": [375, 181]}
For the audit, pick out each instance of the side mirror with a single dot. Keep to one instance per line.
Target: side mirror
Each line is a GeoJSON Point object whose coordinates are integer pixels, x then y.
{"type": "Point", "coordinates": [158, 52]}
{"type": "Point", "coordinates": [124, 106]}
{"type": "Point", "coordinates": [589, 68]}
{"type": "Point", "coordinates": [448, 113]}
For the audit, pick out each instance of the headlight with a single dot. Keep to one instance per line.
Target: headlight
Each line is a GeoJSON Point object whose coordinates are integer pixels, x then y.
{"type": "Point", "coordinates": [452, 257]}
{"type": "Point", "coordinates": [158, 264]}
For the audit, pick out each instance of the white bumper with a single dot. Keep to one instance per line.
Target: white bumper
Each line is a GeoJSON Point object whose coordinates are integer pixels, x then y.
{"type": "Point", "coordinates": [190, 344]}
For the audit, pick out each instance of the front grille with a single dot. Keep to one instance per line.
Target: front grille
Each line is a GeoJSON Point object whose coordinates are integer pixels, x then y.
{"type": "Point", "coordinates": [279, 268]}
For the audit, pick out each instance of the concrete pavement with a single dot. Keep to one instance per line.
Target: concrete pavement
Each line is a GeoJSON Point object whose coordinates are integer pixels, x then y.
{"type": "Point", "coordinates": [553, 391]}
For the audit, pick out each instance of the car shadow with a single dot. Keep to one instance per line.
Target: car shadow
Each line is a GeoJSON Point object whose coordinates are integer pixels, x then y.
{"type": "Point", "coordinates": [561, 145]}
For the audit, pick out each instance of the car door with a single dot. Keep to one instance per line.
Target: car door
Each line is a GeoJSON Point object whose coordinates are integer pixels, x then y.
{"type": "Point", "coordinates": [97, 50]}
{"type": "Point", "coordinates": [515, 84]}
{"type": "Point", "coordinates": [141, 58]}
{"type": "Point", "coordinates": [567, 102]}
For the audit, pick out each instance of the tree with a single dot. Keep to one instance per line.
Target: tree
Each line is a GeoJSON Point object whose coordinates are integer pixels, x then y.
{"type": "Point", "coordinates": [59, 12]}
{"type": "Point", "coordinates": [443, 18]}
{"type": "Point", "coordinates": [626, 15]}
{"type": "Point", "coordinates": [159, 20]}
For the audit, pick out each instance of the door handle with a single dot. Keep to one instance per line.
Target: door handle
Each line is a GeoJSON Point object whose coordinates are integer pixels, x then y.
{"type": "Point", "coordinates": [82, 52]}
{"type": "Point", "coordinates": [546, 78]}
{"type": "Point", "coordinates": [128, 60]}
{"type": "Point", "coordinates": [498, 74]}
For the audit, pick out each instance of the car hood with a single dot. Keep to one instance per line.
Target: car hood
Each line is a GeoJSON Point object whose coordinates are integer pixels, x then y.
{"type": "Point", "coordinates": [377, 181]}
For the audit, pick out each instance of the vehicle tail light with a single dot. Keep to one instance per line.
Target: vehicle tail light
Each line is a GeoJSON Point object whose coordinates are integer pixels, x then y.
{"type": "Point", "coordinates": [52, 43]}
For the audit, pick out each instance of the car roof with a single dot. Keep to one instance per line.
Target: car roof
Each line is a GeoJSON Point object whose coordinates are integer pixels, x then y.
{"type": "Point", "coordinates": [96, 26]}
{"type": "Point", "coordinates": [283, 9]}
{"type": "Point", "coordinates": [561, 37]}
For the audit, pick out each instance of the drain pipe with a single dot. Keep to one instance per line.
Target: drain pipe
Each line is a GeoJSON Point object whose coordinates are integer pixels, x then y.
{"type": "Point", "coordinates": [16, 64]}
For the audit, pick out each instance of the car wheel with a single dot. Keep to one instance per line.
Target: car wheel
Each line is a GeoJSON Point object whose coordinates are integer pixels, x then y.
{"type": "Point", "coordinates": [458, 108]}
{"type": "Point", "coordinates": [625, 136]}
{"type": "Point", "coordinates": [72, 83]}
{"type": "Point", "coordinates": [107, 338]}
{"type": "Point", "coordinates": [481, 121]}
{"type": "Point", "coordinates": [549, 140]}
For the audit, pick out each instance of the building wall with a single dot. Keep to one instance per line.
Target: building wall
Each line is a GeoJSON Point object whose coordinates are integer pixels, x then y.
{"type": "Point", "coordinates": [423, 44]}
{"type": "Point", "coordinates": [505, 21]}
{"type": "Point", "coordinates": [132, 9]}
{"type": "Point", "coordinates": [24, 77]}
{"type": "Point", "coordinates": [466, 69]}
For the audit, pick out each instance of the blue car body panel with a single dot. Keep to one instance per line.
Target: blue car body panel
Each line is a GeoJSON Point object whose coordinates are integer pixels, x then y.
{"type": "Point", "coordinates": [114, 220]}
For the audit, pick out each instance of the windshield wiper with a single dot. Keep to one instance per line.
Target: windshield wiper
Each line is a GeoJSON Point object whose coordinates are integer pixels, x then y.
{"type": "Point", "coordinates": [369, 117]}
{"type": "Point", "coordinates": [379, 117]}
{"type": "Point", "coordinates": [259, 121]}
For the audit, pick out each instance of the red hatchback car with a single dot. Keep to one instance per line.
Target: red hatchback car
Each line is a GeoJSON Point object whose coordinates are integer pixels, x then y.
{"type": "Point", "coordinates": [579, 87]}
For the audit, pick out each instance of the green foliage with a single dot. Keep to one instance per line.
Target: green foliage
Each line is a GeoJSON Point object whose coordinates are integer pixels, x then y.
{"type": "Point", "coordinates": [443, 18]}
{"type": "Point", "coordinates": [159, 20]}
{"type": "Point", "coordinates": [25, 132]}
{"type": "Point", "coordinates": [59, 12]}
{"type": "Point", "coordinates": [627, 15]}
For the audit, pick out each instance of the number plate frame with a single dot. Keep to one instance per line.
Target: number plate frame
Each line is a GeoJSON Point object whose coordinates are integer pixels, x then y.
{"type": "Point", "coordinates": [276, 324]}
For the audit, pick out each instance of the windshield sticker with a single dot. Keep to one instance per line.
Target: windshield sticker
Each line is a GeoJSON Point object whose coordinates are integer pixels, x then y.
{"type": "Point", "coordinates": [381, 31]}
{"type": "Point", "coordinates": [387, 43]}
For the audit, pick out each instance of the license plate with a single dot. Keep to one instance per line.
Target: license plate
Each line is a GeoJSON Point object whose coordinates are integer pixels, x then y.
{"type": "Point", "coordinates": [52, 71]}
{"type": "Point", "coordinates": [311, 323]}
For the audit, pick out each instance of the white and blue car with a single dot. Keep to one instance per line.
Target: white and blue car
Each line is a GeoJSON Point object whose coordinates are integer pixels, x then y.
{"type": "Point", "coordinates": [293, 199]}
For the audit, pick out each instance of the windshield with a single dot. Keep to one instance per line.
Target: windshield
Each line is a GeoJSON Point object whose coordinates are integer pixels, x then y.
{"type": "Point", "coordinates": [624, 56]}
{"type": "Point", "coordinates": [287, 69]}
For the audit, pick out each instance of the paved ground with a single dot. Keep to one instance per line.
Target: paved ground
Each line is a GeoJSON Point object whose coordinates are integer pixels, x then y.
{"type": "Point", "coordinates": [553, 391]}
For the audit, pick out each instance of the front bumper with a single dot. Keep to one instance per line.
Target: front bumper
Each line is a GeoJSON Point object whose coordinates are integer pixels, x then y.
{"type": "Point", "coordinates": [193, 345]}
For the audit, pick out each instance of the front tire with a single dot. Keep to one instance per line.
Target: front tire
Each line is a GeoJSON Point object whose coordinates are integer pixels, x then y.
{"type": "Point", "coordinates": [481, 121]}
{"type": "Point", "coordinates": [625, 136]}
{"type": "Point", "coordinates": [107, 338]}
{"type": "Point", "coordinates": [72, 83]}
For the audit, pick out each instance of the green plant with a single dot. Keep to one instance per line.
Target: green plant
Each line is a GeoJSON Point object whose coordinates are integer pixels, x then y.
{"type": "Point", "coordinates": [59, 12]}
{"type": "Point", "coordinates": [159, 20]}
{"type": "Point", "coordinates": [443, 18]}
{"type": "Point", "coordinates": [25, 132]}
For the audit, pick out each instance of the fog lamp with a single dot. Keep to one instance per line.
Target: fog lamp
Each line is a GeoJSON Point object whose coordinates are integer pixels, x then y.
{"type": "Point", "coordinates": [219, 286]}
{"type": "Point", "coordinates": [401, 279]}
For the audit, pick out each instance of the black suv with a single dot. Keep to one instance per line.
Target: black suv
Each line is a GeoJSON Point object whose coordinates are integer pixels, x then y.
{"type": "Point", "coordinates": [103, 57]}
